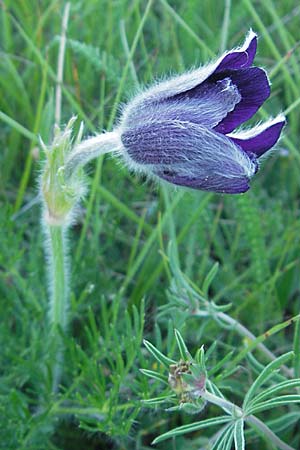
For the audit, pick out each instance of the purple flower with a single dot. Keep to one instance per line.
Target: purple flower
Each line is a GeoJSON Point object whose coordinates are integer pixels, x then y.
{"type": "Point", "coordinates": [182, 130]}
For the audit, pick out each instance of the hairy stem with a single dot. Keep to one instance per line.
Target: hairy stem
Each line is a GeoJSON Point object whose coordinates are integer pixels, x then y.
{"type": "Point", "coordinates": [59, 297]}
{"type": "Point", "coordinates": [266, 432]}
{"type": "Point", "coordinates": [238, 412]}
{"type": "Point", "coordinates": [92, 148]}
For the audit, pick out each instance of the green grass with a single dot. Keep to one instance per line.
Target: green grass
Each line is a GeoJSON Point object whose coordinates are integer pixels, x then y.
{"type": "Point", "coordinates": [119, 247]}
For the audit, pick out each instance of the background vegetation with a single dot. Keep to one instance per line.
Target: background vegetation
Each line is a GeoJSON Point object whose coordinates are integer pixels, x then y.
{"type": "Point", "coordinates": [121, 271]}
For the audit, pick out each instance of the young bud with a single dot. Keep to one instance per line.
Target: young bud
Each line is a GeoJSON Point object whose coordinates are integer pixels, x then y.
{"type": "Point", "coordinates": [61, 193]}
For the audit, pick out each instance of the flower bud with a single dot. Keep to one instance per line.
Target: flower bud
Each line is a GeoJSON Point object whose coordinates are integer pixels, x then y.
{"type": "Point", "coordinates": [183, 130]}
{"type": "Point", "coordinates": [60, 192]}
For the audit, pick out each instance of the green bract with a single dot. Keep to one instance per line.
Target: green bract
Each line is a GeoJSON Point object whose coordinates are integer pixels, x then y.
{"type": "Point", "coordinates": [60, 192]}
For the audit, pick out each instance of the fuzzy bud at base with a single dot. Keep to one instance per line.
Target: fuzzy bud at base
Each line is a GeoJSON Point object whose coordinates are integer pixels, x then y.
{"type": "Point", "coordinates": [60, 194]}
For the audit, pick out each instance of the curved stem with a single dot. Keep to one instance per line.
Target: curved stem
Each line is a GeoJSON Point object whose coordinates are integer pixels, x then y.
{"type": "Point", "coordinates": [237, 411]}
{"type": "Point", "coordinates": [268, 433]}
{"type": "Point", "coordinates": [243, 331]}
{"type": "Point", "coordinates": [92, 148]}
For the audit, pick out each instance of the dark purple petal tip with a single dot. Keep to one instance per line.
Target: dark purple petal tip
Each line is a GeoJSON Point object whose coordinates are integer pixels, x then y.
{"type": "Point", "coordinates": [254, 87]}
{"type": "Point", "coordinates": [260, 139]}
{"type": "Point", "coordinates": [240, 58]}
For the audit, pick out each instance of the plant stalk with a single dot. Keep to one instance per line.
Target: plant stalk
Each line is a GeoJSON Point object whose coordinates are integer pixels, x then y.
{"type": "Point", "coordinates": [62, 187]}
{"type": "Point", "coordinates": [92, 148]}
{"type": "Point", "coordinates": [243, 331]}
{"type": "Point", "coordinates": [235, 410]}
{"type": "Point", "coordinates": [59, 297]}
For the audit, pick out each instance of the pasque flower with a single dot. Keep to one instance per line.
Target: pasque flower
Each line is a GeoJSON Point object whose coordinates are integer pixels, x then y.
{"type": "Point", "coordinates": [183, 130]}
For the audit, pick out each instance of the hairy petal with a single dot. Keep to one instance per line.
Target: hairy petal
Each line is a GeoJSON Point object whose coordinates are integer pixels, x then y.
{"type": "Point", "coordinates": [212, 183]}
{"type": "Point", "coordinates": [260, 139]}
{"type": "Point", "coordinates": [208, 104]}
{"type": "Point", "coordinates": [182, 151]}
{"type": "Point", "coordinates": [254, 87]}
{"type": "Point", "coordinates": [241, 57]}
{"type": "Point", "coordinates": [181, 129]}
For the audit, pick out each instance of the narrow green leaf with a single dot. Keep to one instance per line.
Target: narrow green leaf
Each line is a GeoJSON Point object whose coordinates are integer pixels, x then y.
{"type": "Point", "coordinates": [274, 390]}
{"type": "Point", "coordinates": [189, 408]}
{"type": "Point", "coordinates": [187, 28]}
{"type": "Point", "coordinates": [220, 364]}
{"type": "Point", "coordinates": [157, 400]}
{"type": "Point", "coordinates": [274, 365]}
{"type": "Point", "coordinates": [255, 343]}
{"type": "Point", "coordinates": [224, 439]}
{"type": "Point", "coordinates": [122, 207]}
{"type": "Point", "coordinates": [155, 375]}
{"type": "Point", "coordinates": [277, 401]}
{"type": "Point", "coordinates": [228, 439]}
{"type": "Point", "coordinates": [184, 353]}
{"type": "Point", "coordinates": [160, 357]}
{"type": "Point", "coordinates": [197, 371]}
{"type": "Point", "coordinates": [18, 127]}
{"type": "Point", "coordinates": [209, 279]}
{"type": "Point", "coordinates": [209, 352]}
{"type": "Point", "coordinates": [214, 389]}
{"type": "Point", "coordinates": [202, 358]}
{"type": "Point", "coordinates": [127, 65]}
{"type": "Point", "coordinates": [239, 438]}
{"type": "Point", "coordinates": [297, 350]}
{"type": "Point", "coordinates": [146, 249]}
{"type": "Point", "coordinates": [192, 427]}
{"type": "Point", "coordinates": [283, 422]}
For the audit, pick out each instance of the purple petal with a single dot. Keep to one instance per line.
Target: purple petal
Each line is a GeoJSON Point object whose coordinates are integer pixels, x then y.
{"type": "Point", "coordinates": [206, 104]}
{"type": "Point", "coordinates": [240, 58]}
{"type": "Point", "coordinates": [170, 142]}
{"type": "Point", "coordinates": [188, 154]}
{"type": "Point", "coordinates": [260, 139]}
{"type": "Point", "coordinates": [213, 183]}
{"type": "Point", "coordinates": [253, 85]}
